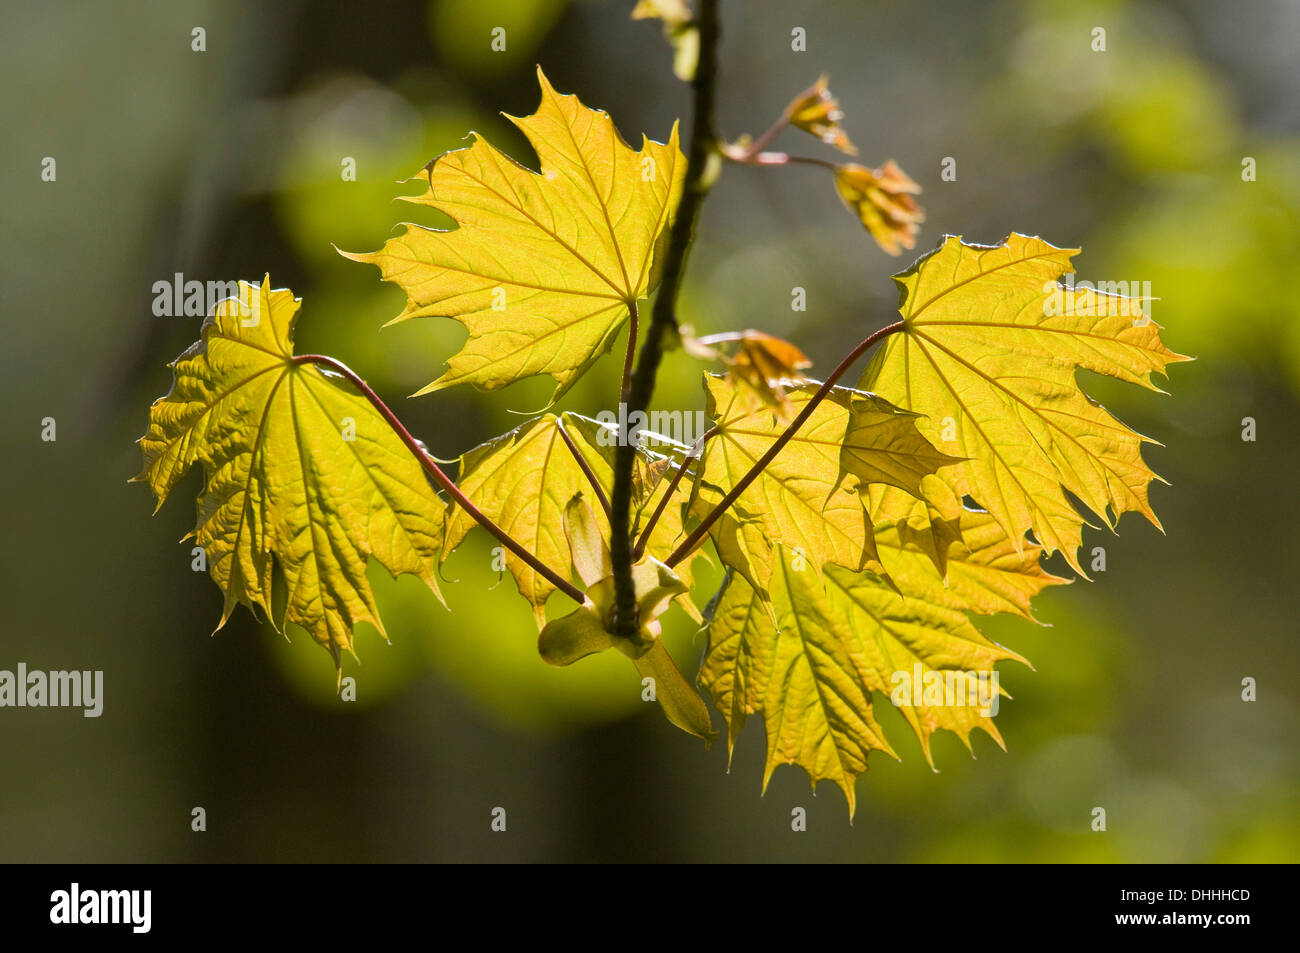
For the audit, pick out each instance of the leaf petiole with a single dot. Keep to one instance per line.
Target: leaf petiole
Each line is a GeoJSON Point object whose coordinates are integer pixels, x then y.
{"type": "Point", "coordinates": [439, 476]}
{"type": "Point", "coordinates": [632, 316]}
{"type": "Point", "coordinates": [584, 466]}
{"type": "Point", "coordinates": [746, 153]}
{"type": "Point", "coordinates": [782, 158]}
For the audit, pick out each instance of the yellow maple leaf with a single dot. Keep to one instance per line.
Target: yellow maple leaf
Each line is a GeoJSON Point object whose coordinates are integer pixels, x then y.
{"type": "Point", "coordinates": [807, 498]}
{"type": "Point", "coordinates": [988, 354]}
{"type": "Point", "coordinates": [299, 467]}
{"type": "Point", "coordinates": [522, 481]}
{"type": "Point", "coordinates": [542, 268]}
{"type": "Point", "coordinates": [882, 201]}
{"type": "Point", "coordinates": [810, 660]}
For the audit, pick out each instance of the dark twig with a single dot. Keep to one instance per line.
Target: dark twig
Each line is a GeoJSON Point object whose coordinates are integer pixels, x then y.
{"type": "Point", "coordinates": [703, 148]}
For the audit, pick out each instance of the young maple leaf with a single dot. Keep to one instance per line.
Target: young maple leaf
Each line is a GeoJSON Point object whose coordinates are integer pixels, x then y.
{"type": "Point", "coordinates": [282, 480]}
{"type": "Point", "coordinates": [882, 201]}
{"type": "Point", "coordinates": [759, 361]}
{"type": "Point", "coordinates": [523, 480]}
{"type": "Point", "coordinates": [818, 113]}
{"type": "Point", "coordinates": [589, 629]}
{"type": "Point", "coordinates": [988, 356]}
{"type": "Point", "coordinates": [542, 269]}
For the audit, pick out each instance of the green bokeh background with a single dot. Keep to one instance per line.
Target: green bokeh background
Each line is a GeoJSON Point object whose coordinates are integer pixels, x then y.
{"type": "Point", "coordinates": [226, 164]}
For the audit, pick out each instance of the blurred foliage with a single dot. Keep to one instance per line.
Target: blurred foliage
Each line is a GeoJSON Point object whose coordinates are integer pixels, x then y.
{"type": "Point", "coordinates": [523, 25]}
{"type": "Point", "coordinates": [228, 164]}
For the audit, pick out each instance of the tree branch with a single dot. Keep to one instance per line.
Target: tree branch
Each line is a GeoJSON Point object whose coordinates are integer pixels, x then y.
{"type": "Point", "coordinates": [702, 149]}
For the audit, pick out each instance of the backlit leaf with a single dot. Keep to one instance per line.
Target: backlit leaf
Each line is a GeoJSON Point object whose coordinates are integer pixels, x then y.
{"type": "Point", "coordinates": [807, 499]}
{"type": "Point", "coordinates": [299, 467]}
{"type": "Point", "coordinates": [589, 629]}
{"type": "Point", "coordinates": [523, 481]}
{"type": "Point", "coordinates": [543, 267]}
{"type": "Point", "coordinates": [882, 200]}
{"type": "Point", "coordinates": [989, 355]}
{"type": "Point", "coordinates": [811, 664]}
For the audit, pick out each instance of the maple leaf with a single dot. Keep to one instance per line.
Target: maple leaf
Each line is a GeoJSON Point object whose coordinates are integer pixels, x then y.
{"type": "Point", "coordinates": [542, 268]}
{"type": "Point", "coordinates": [988, 355]}
{"type": "Point", "coordinates": [657, 456]}
{"type": "Point", "coordinates": [807, 498]}
{"type": "Point", "coordinates": [590, 628]}
{"type": "Point", "coordinates": [811, 661]}
{"type": "Point", "coordinates": [759, 361]}
{"type": "Point", "coordinates": [299, 467]}
{"type": "Point", "coordinates": [523, 480]}
{"type": "Point", "coordinates": [788, 664]}
{"type": "Point", "coordinates": [882, 201]}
